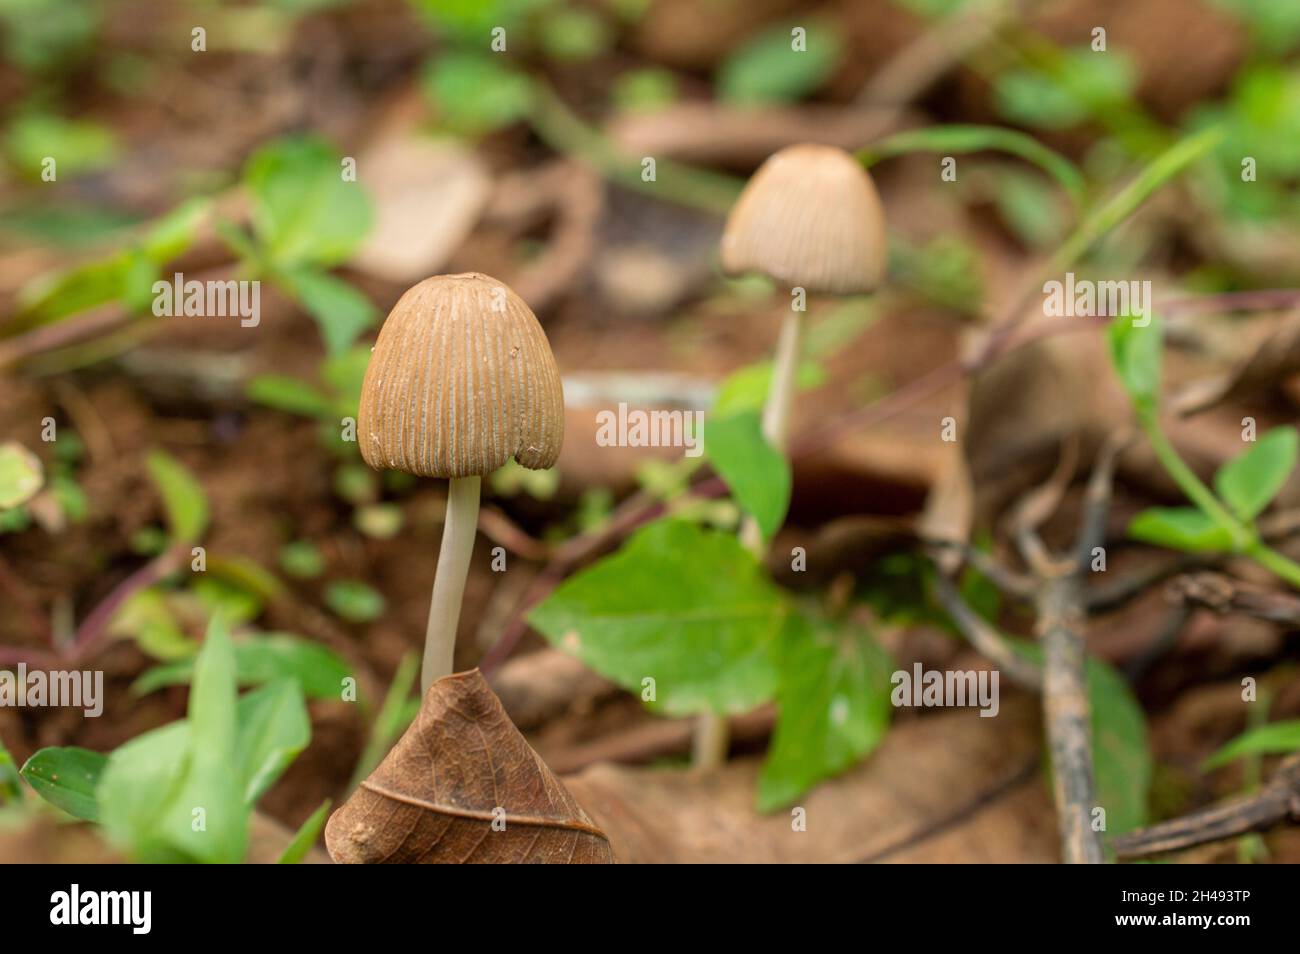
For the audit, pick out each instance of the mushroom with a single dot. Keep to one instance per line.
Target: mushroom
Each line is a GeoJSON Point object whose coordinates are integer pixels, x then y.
{"type": "Point", "coordinates": [811, 218]}
{"type": "Point", "coordinates": [462, 379]}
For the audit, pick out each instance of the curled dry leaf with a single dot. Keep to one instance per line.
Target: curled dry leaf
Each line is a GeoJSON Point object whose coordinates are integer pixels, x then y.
{"type": "Point", "coordinates": [462, 785]}
{"type": "Point", "coordinates": [1267, 363]}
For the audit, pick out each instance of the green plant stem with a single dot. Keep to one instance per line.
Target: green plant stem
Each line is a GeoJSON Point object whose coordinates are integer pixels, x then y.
{"type": "Point", "coordinates": [1245, 539]}
{"type": "Point", "coordinates": [712, 733]}
{"type": "Point", "coordinates": [1127, 200]}
{"type": "Point", "coordinates": [458, 532]}
{"type": "Point", "coordinates": [1277, 564]}
{"type": "Point", "coordinates": [565, 132]}
{"type": "Point", "coordinates": [958, 139]}
{"type": "Point", "coordinates": [1191, 485]}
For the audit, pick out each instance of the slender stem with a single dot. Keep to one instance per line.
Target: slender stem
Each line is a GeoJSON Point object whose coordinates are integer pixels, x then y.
{"type": "Point", "coordinates": [712, 734]}
{"type": "Point", "coordinates": [449, 585]}
{"type": "Point", "coordinates": [1276, 563]}
{"type": "Point", "coordinates": [776, 409]}
{"type": "Point", "coordinates": [1245, 538]}
{"type": "Point", "coordinates": [1067, 711]}
{"type": "Point", "coordinates": [1190, 484]}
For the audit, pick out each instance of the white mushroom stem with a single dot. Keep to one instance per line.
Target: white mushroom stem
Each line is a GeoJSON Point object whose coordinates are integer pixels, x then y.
{"type": "Point", "coordinates": [712, 734]}
{"type": "Point", "coordinates": [458, 532]}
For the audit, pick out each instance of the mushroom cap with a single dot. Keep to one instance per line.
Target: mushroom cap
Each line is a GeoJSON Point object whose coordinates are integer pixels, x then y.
{"type": "Point", "coordinates": [809, 217]}
{"type": "Point", "coordinates": [461, 380]}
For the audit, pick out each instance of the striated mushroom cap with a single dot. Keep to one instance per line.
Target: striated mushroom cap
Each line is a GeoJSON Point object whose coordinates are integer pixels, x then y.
{"type": "Point", "coordinates": [810, 217]}
{"type": "Point", "coordinates": [461, 380]}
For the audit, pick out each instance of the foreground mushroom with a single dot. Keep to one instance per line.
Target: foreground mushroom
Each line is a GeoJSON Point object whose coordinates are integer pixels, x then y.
{"type": "Point", "coordinates": [461, 381]}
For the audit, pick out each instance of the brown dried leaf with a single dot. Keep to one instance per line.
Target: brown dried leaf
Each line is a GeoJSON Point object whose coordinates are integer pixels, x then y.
{"type": "Point", "coordinates": [1274, 358]}
{"type": "Point", "coordinates": [949, 787]}
{"type": "Point", "coordinates": [461, 765]}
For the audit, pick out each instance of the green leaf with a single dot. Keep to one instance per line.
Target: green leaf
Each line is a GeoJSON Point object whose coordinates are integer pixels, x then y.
{"type": "Point", "coordinates": [689, 608]}
{"type": "Point", "coordinates": [833, 703]}
{"type": "Point", "coordinates": [756, 473]}
{"type": "Point", "coordinates": [10, 787]}
{"type": "Point", "coordinates": [306, 836]}
{"type": "Point", "coordinates": [21, 474]}
{"type": "Point", "coordinates": [1135, 353]}
{"type": "Point", "coordinates": [213, 734]}
{"type": "Point", "coordinates": [1274, 738]}
{"type": "Point", "coordinates": [1180, 528]}
{"type": "Point", "coordinates": [138, 789]}
{"type": "Point", "coordinates": [1120, 752]}
{"type": "Point", "coordinates": [1082, 84]}
{"type": "Point", "coordinates": [1253, 478]}
{"type": "Point", "coordinates": [304, 212]}
{"type": "Point", "coordinates": [395, 714]}
{"type": "Point", "coordinates": [340, 311]}
{"type": "Point", "coordinates": [273, 728]}
{"type": "Point", "coordinates": [76, 145]}
{"type": "Point", "coordinates": [285, 393]}
{"type": "Point", "coordinates": [261, 659]}
{"type": "Point", "coordinates": [474, 94]}
{"type": "Point", "coordinates": [574, 35]}
{"type": "Point", "coordinates": [746, 389]}
{"type": "Point", "coordinates": [302, 558]}
{"type": "Point", "coordinates": [355, 601]}
{"type": "Point", "coordinates": [67, 778]}
{"type": "Point", "coordinates": [183, 499]}
{"type": "Point", "coordinates": [768, 69]}
{"type": "Point", "coordinates": [175, 231]}
{"type": "Point", "coordinates": [171, 794]}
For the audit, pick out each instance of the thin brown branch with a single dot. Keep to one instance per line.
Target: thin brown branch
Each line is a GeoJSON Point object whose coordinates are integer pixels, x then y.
{"type": "Point", "coordinates": [1275, 803]}
{"type": "Point", "coordinates": [987, 640]}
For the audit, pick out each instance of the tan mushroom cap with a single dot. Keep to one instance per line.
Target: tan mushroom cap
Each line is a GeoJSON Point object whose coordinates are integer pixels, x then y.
{"type": "Point", "coordinates": [461, 380]}
{"type": "Point", "coordinates": [809, 217]}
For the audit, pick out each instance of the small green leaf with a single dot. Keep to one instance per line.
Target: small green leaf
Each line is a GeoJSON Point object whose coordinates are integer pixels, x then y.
{"type": "Point", "coordinates": [746, 389]}
{"type": "Point", "coordinates": [689, 608]}
{"type": "Point", "coordinates": [1082, 84]}
{"type": "Point", "coordinates": [175, 231]}
{"type": "Point", "coordinates": [261, 659]}
{"type": "Point", "coordinates": [67, 778]}
{"type": "Point", "coordinates": [474, 94]}
{"type": "Point", "coordinates": [10, 789]}
{"type": "Point", "coordinates": [1253, 478]}
{"type": "Point", "coordinates": [1121, 754]}
{"type": "Point", "coordinates": [157, 786]}
{"type": "Point", "coordinates": [1274, 738]}
{"type": "Point", "coordinates": [273, 729]}
{"type": "Point", "coordinates": [76, 145]}
{"type": "Point", "coordinates": [834, 707]}
{"type": "Point", "coordinates": [21, 474]}
{"type": "Point", "coordinates": [183, 499]}
{"type": "Point", "coordinates": [307, 835]}
{"type": "Point", "coordinates": [395, 714]}
{"type": "Point", "coordinates": [770, 69]}
{"type": "Point", "coordinates": [1180, 528]}
{"type": "Point", "coordinates": [355, 601]}
{"type": "Point", "coordinates": [340, 311]}
{"type": "Point", "coordinates": [285, 393]}
{"type": "Point", "coordinates": [574, 34]}
{"type": "Point", "coordinates": [304, 211]}
{"type": "Point", "coordinates": [757, 474]}
{"type": "Point", "coordinates": [302, 559]}
{"type": "Point", "coordinates": [1136, 355]}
